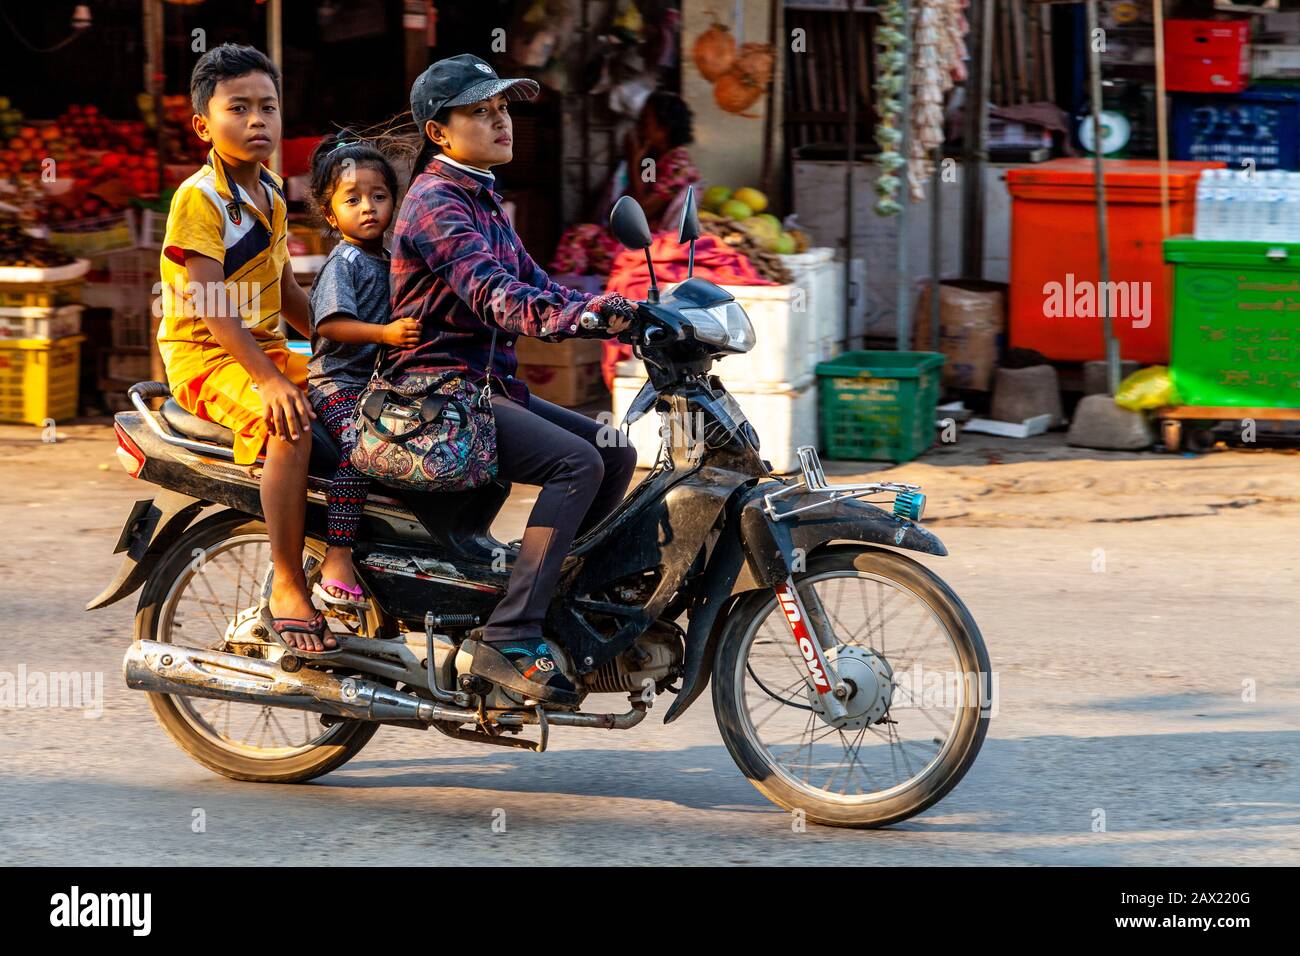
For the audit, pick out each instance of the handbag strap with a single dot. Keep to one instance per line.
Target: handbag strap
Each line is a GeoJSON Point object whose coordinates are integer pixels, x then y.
{"type": "Point", "coordinates": [485, 396]}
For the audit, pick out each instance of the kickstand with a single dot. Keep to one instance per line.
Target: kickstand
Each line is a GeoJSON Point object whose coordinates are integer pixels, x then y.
{"type": "Point", "coordinates": [490, 734]}
{"type": "Point", "coordinates": [545, 730]}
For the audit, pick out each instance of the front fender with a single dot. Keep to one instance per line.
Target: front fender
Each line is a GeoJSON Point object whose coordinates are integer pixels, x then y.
{"type": "Point", "coordinates": [756, 552]}
{"type": "Point", "coordinates": [771, 546]}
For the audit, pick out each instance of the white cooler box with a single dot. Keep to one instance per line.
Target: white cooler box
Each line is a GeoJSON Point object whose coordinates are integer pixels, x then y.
{"type": "Point", "coordinates": [784, 415]}
{"type": "Point", "coordinates": [795, 324]}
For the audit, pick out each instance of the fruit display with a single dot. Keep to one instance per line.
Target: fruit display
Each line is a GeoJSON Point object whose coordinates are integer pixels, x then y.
{"type": "Point", "coordinates": [752, 237]}
{"type": "Point", "coordinates": [87, 166]}
{"type": "Point", "coordinates": [726, 211]}
{"type": "Point", "coordinates": [11, 119]}
{"type": "Point", "coordinates": [180, 143]}
{"type": "Point", "coordinates": [18, 249]}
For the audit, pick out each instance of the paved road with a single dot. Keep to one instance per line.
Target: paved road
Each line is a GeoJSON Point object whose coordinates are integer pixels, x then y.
{"type": "Point", "coordinates": [1121, 640]}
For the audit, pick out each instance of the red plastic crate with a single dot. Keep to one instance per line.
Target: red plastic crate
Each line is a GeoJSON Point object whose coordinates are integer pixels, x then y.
{"type": "Point", "coordinates": [1207, 56]}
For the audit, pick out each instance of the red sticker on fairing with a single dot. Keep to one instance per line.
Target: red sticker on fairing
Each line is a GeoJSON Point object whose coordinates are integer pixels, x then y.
{"type": "Point", "coordinates": [807, 648]}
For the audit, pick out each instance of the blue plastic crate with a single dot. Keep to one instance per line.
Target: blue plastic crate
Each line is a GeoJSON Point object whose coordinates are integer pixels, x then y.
{"type": "Point", "coordinates": [1262, 124]}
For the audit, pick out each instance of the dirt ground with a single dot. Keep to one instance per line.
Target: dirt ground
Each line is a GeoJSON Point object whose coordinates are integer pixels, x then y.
{"type": "Point", "coordinates": [1140, 612]}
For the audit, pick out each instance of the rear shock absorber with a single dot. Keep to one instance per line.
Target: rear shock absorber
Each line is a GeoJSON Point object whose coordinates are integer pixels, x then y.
{"type": "Point", "coordinates": [435, 621]}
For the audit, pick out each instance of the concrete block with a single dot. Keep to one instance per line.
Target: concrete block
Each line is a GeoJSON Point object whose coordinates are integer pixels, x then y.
{"type": "Point", "coordinates": [1100, 423]}
{"type": "Point", "coordinates": [1020, 393]}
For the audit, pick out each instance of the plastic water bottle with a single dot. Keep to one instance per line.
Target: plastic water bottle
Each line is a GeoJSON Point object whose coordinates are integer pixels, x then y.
{"type": "Point", "coordinates": [1232, 206]}
{"type": "Point", "coordinates": [1291, 208]}
{"type": "Point", "coordinates": [1207, 211]}
{"type": "Point", "coordinates": [1250, 206]}
{"type": "Point", "coordinates": [1274, 227]}
{"type": "Point", "coordinates": [1225, 212]}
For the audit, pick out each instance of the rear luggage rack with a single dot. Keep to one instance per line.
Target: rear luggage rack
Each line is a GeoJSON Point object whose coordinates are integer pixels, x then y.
{"type": "Point", "coordinates": [141, 392]}
{"type": "Point", "coordinates": [908, 502]}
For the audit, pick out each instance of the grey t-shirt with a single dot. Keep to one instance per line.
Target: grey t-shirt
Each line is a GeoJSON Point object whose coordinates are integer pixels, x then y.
{"type": "Point", "coordinates": [352, 283]}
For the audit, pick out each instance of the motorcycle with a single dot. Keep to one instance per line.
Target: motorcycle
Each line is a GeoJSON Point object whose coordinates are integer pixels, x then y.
{"type": "Point", "coordinates": [820, 637]}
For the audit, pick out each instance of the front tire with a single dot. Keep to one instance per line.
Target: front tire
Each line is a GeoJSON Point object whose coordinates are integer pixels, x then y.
{"type": "Point", "coordinates": [903, 771]}
{"type": "Point", "coordinates": [227, 549]}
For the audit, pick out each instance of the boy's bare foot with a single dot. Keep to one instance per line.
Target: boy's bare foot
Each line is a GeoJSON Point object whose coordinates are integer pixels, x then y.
{"type": "Point", "coordinates": [337, 566]}
{"type": "Point", "coordinates": [291, 600]}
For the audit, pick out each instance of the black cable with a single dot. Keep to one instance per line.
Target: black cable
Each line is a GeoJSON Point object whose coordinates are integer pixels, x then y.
{"type": "Point", "coordinates": [35, 49]}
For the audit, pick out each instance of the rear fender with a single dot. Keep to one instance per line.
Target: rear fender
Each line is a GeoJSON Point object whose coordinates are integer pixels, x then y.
{"type": "Point", "coordinates": [153, 526]}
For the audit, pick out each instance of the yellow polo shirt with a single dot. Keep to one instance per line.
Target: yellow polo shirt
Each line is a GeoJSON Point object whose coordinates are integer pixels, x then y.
{"type": "Point", "coordinates": [212, 216]}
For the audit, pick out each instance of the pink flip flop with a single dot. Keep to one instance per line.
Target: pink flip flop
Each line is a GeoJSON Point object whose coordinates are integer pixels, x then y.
{"type": "Point", "coordinates": [353, 603]}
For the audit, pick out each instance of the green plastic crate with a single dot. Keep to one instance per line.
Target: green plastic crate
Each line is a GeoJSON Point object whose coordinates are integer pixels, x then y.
{"type": "Point", "coordinates": [1235, 335]}
{"type": "Point", "coordinates": [878, 406]}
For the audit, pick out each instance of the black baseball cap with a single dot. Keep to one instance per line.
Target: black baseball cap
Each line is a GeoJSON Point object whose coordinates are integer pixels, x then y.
{"type": "Point", "coordinates": [459, 81]}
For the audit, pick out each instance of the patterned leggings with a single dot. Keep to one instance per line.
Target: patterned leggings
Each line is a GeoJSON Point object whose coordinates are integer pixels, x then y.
{"type": "Point", "coordinates": [348, 488]}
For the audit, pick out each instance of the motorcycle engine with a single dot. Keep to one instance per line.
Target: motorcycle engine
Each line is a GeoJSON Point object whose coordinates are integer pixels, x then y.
{"type": "Point", "coordinates": [656, 657]}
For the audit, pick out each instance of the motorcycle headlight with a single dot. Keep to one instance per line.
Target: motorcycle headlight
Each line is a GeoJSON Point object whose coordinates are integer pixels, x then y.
{"type": "Point", "coordinates": [725, 325]}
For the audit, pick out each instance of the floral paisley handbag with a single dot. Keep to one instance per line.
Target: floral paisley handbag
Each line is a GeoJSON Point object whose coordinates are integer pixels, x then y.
{"type": "Point", "coordinates": [432, 432]}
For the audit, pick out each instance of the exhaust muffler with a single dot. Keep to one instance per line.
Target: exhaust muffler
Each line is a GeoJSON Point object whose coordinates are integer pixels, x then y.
{"type": "Point", "coordinates": [169, 669]}
{"type": "Point", "coordinates": [191, 672]}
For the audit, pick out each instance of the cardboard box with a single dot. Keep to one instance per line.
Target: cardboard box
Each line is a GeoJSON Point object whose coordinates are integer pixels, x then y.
{"type": "Point", "coordinates": [531, 351]}
{"type": "Point", "coordinates": [567, 385]}
{"type": "Point", "coordinates": [972, 324]}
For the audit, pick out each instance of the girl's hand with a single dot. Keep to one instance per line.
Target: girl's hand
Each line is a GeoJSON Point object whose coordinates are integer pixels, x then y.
{"type": "Point", "coordinates": [402, 333]}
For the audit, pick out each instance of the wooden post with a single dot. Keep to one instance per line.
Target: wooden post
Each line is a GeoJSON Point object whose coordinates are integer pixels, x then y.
{"type": "Point", "coordinates": [902, 294]}
{"type": "Point", "coordinates": [275, 50]}
{"type": "Point", "coordinates": [850, 160]}
{"type": "Point", "coordinates": [769, 100]}
{"type": "Point", "coordinates": [415, 28]}
{"type": "Point", "coordinates": [1162, 121]}
{"type": "Point", "coordinates": [975, 154]}
{"type": "Point", "coordinates": [152, 16]}
{"type": "Point", "coordinates": [1099, 166]}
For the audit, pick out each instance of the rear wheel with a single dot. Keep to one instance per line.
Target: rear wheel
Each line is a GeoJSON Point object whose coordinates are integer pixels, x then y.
{"type": "Point", "coordinates": [200, 594]}
{"type": "Point", "coordinates": [919, 677]}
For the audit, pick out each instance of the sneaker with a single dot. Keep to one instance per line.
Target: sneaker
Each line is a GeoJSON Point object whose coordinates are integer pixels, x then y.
{"type": "Point", "coordinates": [527, 666]}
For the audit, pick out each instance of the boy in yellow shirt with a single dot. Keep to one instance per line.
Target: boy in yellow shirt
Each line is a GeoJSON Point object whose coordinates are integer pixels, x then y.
{"type": "Point", "coordinates": [226, 283]}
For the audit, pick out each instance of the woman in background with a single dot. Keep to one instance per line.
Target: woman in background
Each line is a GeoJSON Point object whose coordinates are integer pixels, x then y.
{"type": "Point", "coordinates": [662, 133]}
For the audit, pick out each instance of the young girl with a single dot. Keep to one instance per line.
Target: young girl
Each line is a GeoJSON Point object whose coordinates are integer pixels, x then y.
{"type": "Point", "coordinates": [354, 188]}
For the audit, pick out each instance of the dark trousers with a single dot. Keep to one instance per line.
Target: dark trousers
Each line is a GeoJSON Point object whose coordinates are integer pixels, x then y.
{"type": "Point", "coordinates": [583, 472]}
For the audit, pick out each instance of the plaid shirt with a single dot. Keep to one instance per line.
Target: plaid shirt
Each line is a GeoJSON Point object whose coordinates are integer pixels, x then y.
{"type": "Point", "coordinates": [459, 268]}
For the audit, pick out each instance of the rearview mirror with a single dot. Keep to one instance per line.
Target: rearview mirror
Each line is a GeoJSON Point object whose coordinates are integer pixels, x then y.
{"type": "Point", "coordinates": [628, 224]}
{"type": "Point", "coordinates": [690, 227]}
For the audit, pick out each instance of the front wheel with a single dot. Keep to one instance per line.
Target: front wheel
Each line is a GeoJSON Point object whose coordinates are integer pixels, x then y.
{"type": "Point", "coordinates": [919, 680]}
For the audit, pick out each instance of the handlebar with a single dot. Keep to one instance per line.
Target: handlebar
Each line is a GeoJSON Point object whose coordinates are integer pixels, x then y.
{"type": "Point", "coordinates": [643, 329]}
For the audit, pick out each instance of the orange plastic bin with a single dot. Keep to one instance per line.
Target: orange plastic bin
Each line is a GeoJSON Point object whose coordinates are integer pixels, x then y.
{"type": "Point", "coordinates": [1055, 292]}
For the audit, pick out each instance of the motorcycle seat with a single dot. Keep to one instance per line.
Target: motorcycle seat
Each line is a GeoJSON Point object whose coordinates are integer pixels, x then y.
{"type": "Point", "coordinates": [191, 426]}
{"type": "Point", "coordinates": [324, 452]}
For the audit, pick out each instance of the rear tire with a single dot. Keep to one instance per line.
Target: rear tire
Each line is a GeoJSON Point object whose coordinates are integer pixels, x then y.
{"type": "Point", "coordinates": [755, 758]}
{"type": "Point", "coordinates": [337, 744]}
